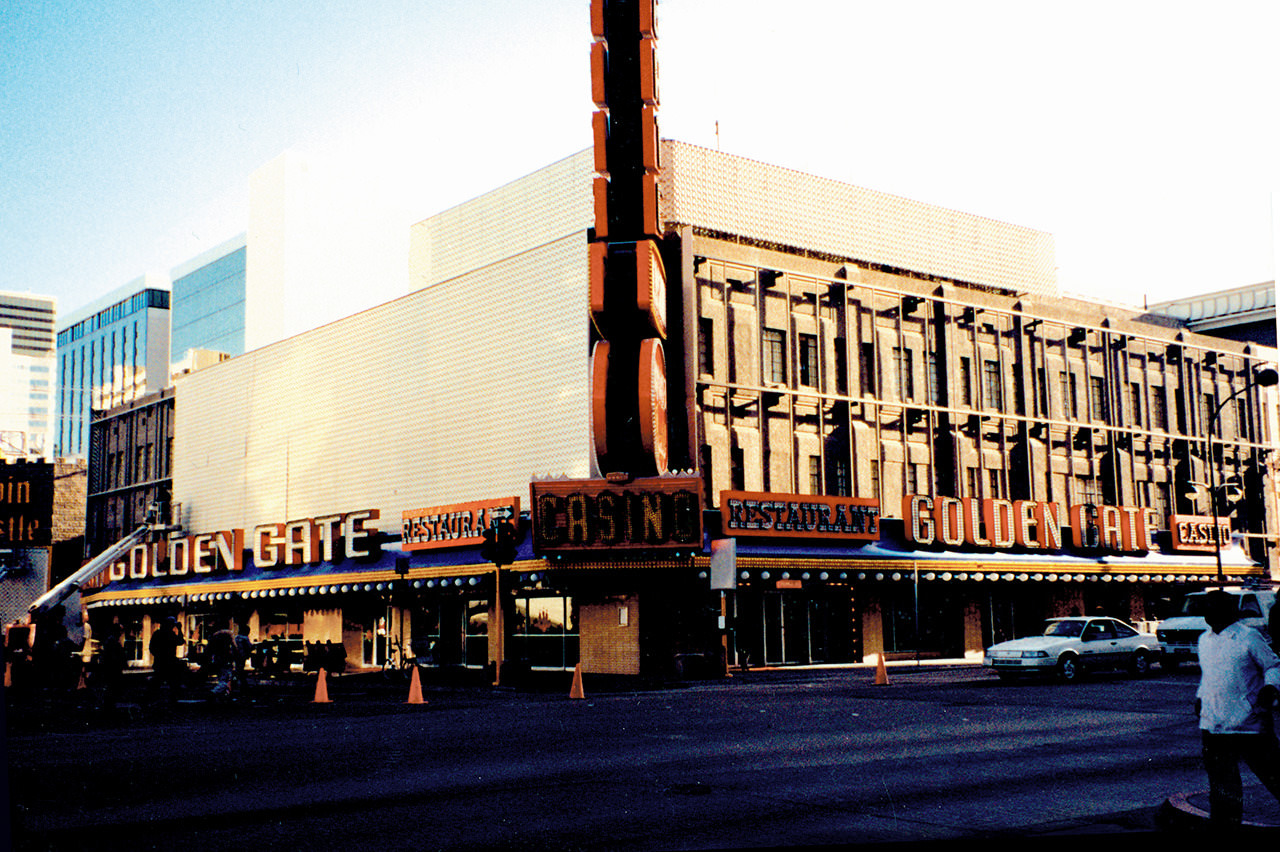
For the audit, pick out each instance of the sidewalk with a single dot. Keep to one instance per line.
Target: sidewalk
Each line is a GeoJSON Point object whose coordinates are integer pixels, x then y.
{"type": "Point", "coordinates": [1191, 810]}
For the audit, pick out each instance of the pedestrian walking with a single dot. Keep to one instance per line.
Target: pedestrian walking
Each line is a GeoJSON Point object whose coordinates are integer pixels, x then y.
{"type": "Point", "coordinates": [50, 651]}
{"type": "Point", "coordinates": [1239, 684]}
{"type": "Point", "coordinates": [110, 667]}
{"type": "Point", "coordinates": [222, 659]}
{"type": "Point", "coordinates": [166, 667]}
{"type": "Point", "coordinates": [244, 652]}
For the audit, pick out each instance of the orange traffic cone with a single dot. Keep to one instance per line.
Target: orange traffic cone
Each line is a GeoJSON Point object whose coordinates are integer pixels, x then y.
{"type": "Point", "coordinates": [882, 677]}
{"type": "Point", "coordinates": [575, 691]}
{"type": "Point", "coordinates": [322, 689]}
{"type": "Point", "coordinates": [415, 689]}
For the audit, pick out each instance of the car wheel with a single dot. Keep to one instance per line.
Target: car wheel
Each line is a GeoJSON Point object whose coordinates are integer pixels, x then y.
{"type": "Point", "coordinates": [1069, 669]}
{"type": "Point", "coordinates": [1140, 665]}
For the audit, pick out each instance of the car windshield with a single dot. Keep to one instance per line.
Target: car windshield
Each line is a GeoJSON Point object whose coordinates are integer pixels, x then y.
{"type": "Point", "coordinates": [1063, 628]}
{"type": "Point", "coordinates": [1195, 605]}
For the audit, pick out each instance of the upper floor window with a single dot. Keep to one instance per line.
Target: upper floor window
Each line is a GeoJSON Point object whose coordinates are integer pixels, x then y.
{"type": "Point", "coordinates": [993, 386]}
{"type": "Point", "coordinates": [842, 366]}
{"type": "Point", "coordinates": [904, 369]}
{"type": "Point", "coordinates": [867, 369]}
{"type": "Point", "coordinates": [706, 346]}
{"type": "Point", "coordinates": [1159, 409]}
{"type": "Point", "coordinates": [841, 471]}
{"type": "Point", "coordinates": [1070, 395]}
{"type": "Point", "coordinates": [809, 360]}
{"type": "Point", "coordinates": [966, 381]}
{"type": "Point", "coordinates": [1098, 399]}
{"type": "Point", "coordinates": [775, 356]}
{"type": "Point", "coordinates": [935, 394]}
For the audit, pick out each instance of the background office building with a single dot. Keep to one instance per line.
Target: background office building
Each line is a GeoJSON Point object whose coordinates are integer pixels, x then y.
{"type": "Point", "coordinates": [829, 348]}
{"type": "Point", "coordinates": [111, 351]}
{"type": "Point", "coordinates": [26, 374]}
{"type": "Point", "coordinates": [129, 467]}
{"type": "Point", "coordinates": [207, 302]}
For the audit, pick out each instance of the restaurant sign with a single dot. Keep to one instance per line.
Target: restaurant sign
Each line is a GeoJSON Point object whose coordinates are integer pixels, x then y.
{"type": "Point", "coordinates": [462, 524]}
{"type": "Point", "coordinates": [581, 515]}
{"type": "Point", "coordinates": [1195, 533]}
{"type": "Point", "coordinates": [749, 514]}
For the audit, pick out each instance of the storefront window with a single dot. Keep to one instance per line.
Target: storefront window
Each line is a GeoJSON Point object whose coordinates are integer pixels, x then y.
{"type": "Point", "coordinates": [280, 639]}
{"type": "Point", "coordinates": [424, 644]}
{"type": "Point", "coordinates": [134, 641]}
{"type": "Point", "coordinates": [199, 627]}
{"type": "Point", "coordinates": [476, 645]}
{"type": "Point", "coordinates": [928, 620]}
{"type": "Point", "coordinates": [544, 632]}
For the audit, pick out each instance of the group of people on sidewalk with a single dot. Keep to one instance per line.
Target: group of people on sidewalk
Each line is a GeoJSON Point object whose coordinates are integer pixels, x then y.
{"type": "Point", "coordinates": [53, 662]}
{"type": "Point", "coordinates": [227, 655]}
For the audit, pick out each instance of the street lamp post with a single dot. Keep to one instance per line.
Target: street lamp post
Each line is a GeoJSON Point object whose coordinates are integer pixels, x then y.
{"type": "Point", "coordinates": [1264, 378]}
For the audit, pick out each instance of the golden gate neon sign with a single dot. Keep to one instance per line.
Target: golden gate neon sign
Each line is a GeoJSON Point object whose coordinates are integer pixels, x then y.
{"type": "Point", "coordinates": [1001, 524]}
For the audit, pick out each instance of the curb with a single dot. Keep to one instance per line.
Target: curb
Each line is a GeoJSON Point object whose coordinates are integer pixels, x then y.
{"type": "Point", "coordinates": [1180, 812]}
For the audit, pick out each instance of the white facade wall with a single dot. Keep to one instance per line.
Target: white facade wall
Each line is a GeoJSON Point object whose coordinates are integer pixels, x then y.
{"type": "Point", "coordinates": [460, 391]}
{"type": "Point", "coordinates": [478, 380]}
{"type": "Point", "coordinates": [734, 195]}
{"type": "Point", "coordinates": [526, 213]}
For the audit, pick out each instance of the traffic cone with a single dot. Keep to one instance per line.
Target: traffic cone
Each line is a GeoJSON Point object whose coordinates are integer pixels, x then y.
{"type": "Point", "coordinates": [415, 689]}
{"type": "Point", "coordinates": [322, 689]}
{"type": "Point", "coordinates": [575, 691]}
{"type": "Point", "coordinates": [81, 684]}
{"type": "Point", "coordinates": [882, 677]}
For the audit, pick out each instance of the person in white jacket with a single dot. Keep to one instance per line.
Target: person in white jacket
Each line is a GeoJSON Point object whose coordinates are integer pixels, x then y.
{"type": "Point", "coordinates": [1239, 683]}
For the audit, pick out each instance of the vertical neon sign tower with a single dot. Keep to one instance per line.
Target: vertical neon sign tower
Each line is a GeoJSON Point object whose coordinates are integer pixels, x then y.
{"type": "Point", "coordinates": [628, 280]}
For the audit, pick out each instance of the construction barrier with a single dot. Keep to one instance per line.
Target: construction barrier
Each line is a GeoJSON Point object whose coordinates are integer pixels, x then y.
{"type": "Point", "coordinates": [575, 691]}
{"type": "Point", "coordinates": [415, 689]}
{"type": "Point", "coordinates": [322, 689]}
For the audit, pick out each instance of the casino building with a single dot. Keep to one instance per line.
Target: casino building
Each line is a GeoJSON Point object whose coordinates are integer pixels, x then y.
{"type": "Point", "coordinates": [710, 412]}
{"type": "Point", "coordinates": [898, 436]}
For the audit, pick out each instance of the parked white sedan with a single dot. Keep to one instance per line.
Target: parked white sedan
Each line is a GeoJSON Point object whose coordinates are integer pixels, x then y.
{"type": "Point", "coordinates": [1070, 646]}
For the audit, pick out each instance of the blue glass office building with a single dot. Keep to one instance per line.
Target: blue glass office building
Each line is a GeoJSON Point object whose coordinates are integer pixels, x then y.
{"type": "Point", "coordinates": [208, 302]}
{"type": "Point", "coordinates": [110, 352]}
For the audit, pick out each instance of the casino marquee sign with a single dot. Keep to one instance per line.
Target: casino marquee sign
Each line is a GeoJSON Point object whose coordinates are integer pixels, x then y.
{"type": "Point", "coordinates": [584, 515]}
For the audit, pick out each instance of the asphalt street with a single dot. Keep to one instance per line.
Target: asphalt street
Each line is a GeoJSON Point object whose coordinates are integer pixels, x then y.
{"type": "Point", "coordinates": [763, 759]}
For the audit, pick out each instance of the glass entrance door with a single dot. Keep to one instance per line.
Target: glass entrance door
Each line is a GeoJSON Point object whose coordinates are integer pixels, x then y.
{"type": "Point", "coordinates": [786, 628]}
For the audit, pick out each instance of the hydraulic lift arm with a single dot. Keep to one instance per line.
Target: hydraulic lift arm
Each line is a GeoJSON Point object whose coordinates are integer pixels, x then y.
{"type": "Point", "coordinates": [68, 587]}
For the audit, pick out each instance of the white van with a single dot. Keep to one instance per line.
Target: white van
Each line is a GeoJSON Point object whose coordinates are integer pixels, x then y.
{"type": "Point", "coordinates": [1180, 635]}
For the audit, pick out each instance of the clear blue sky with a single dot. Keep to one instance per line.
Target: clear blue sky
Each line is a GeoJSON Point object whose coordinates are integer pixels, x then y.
{"type": "Point", "coordinates": [1143, 135]}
